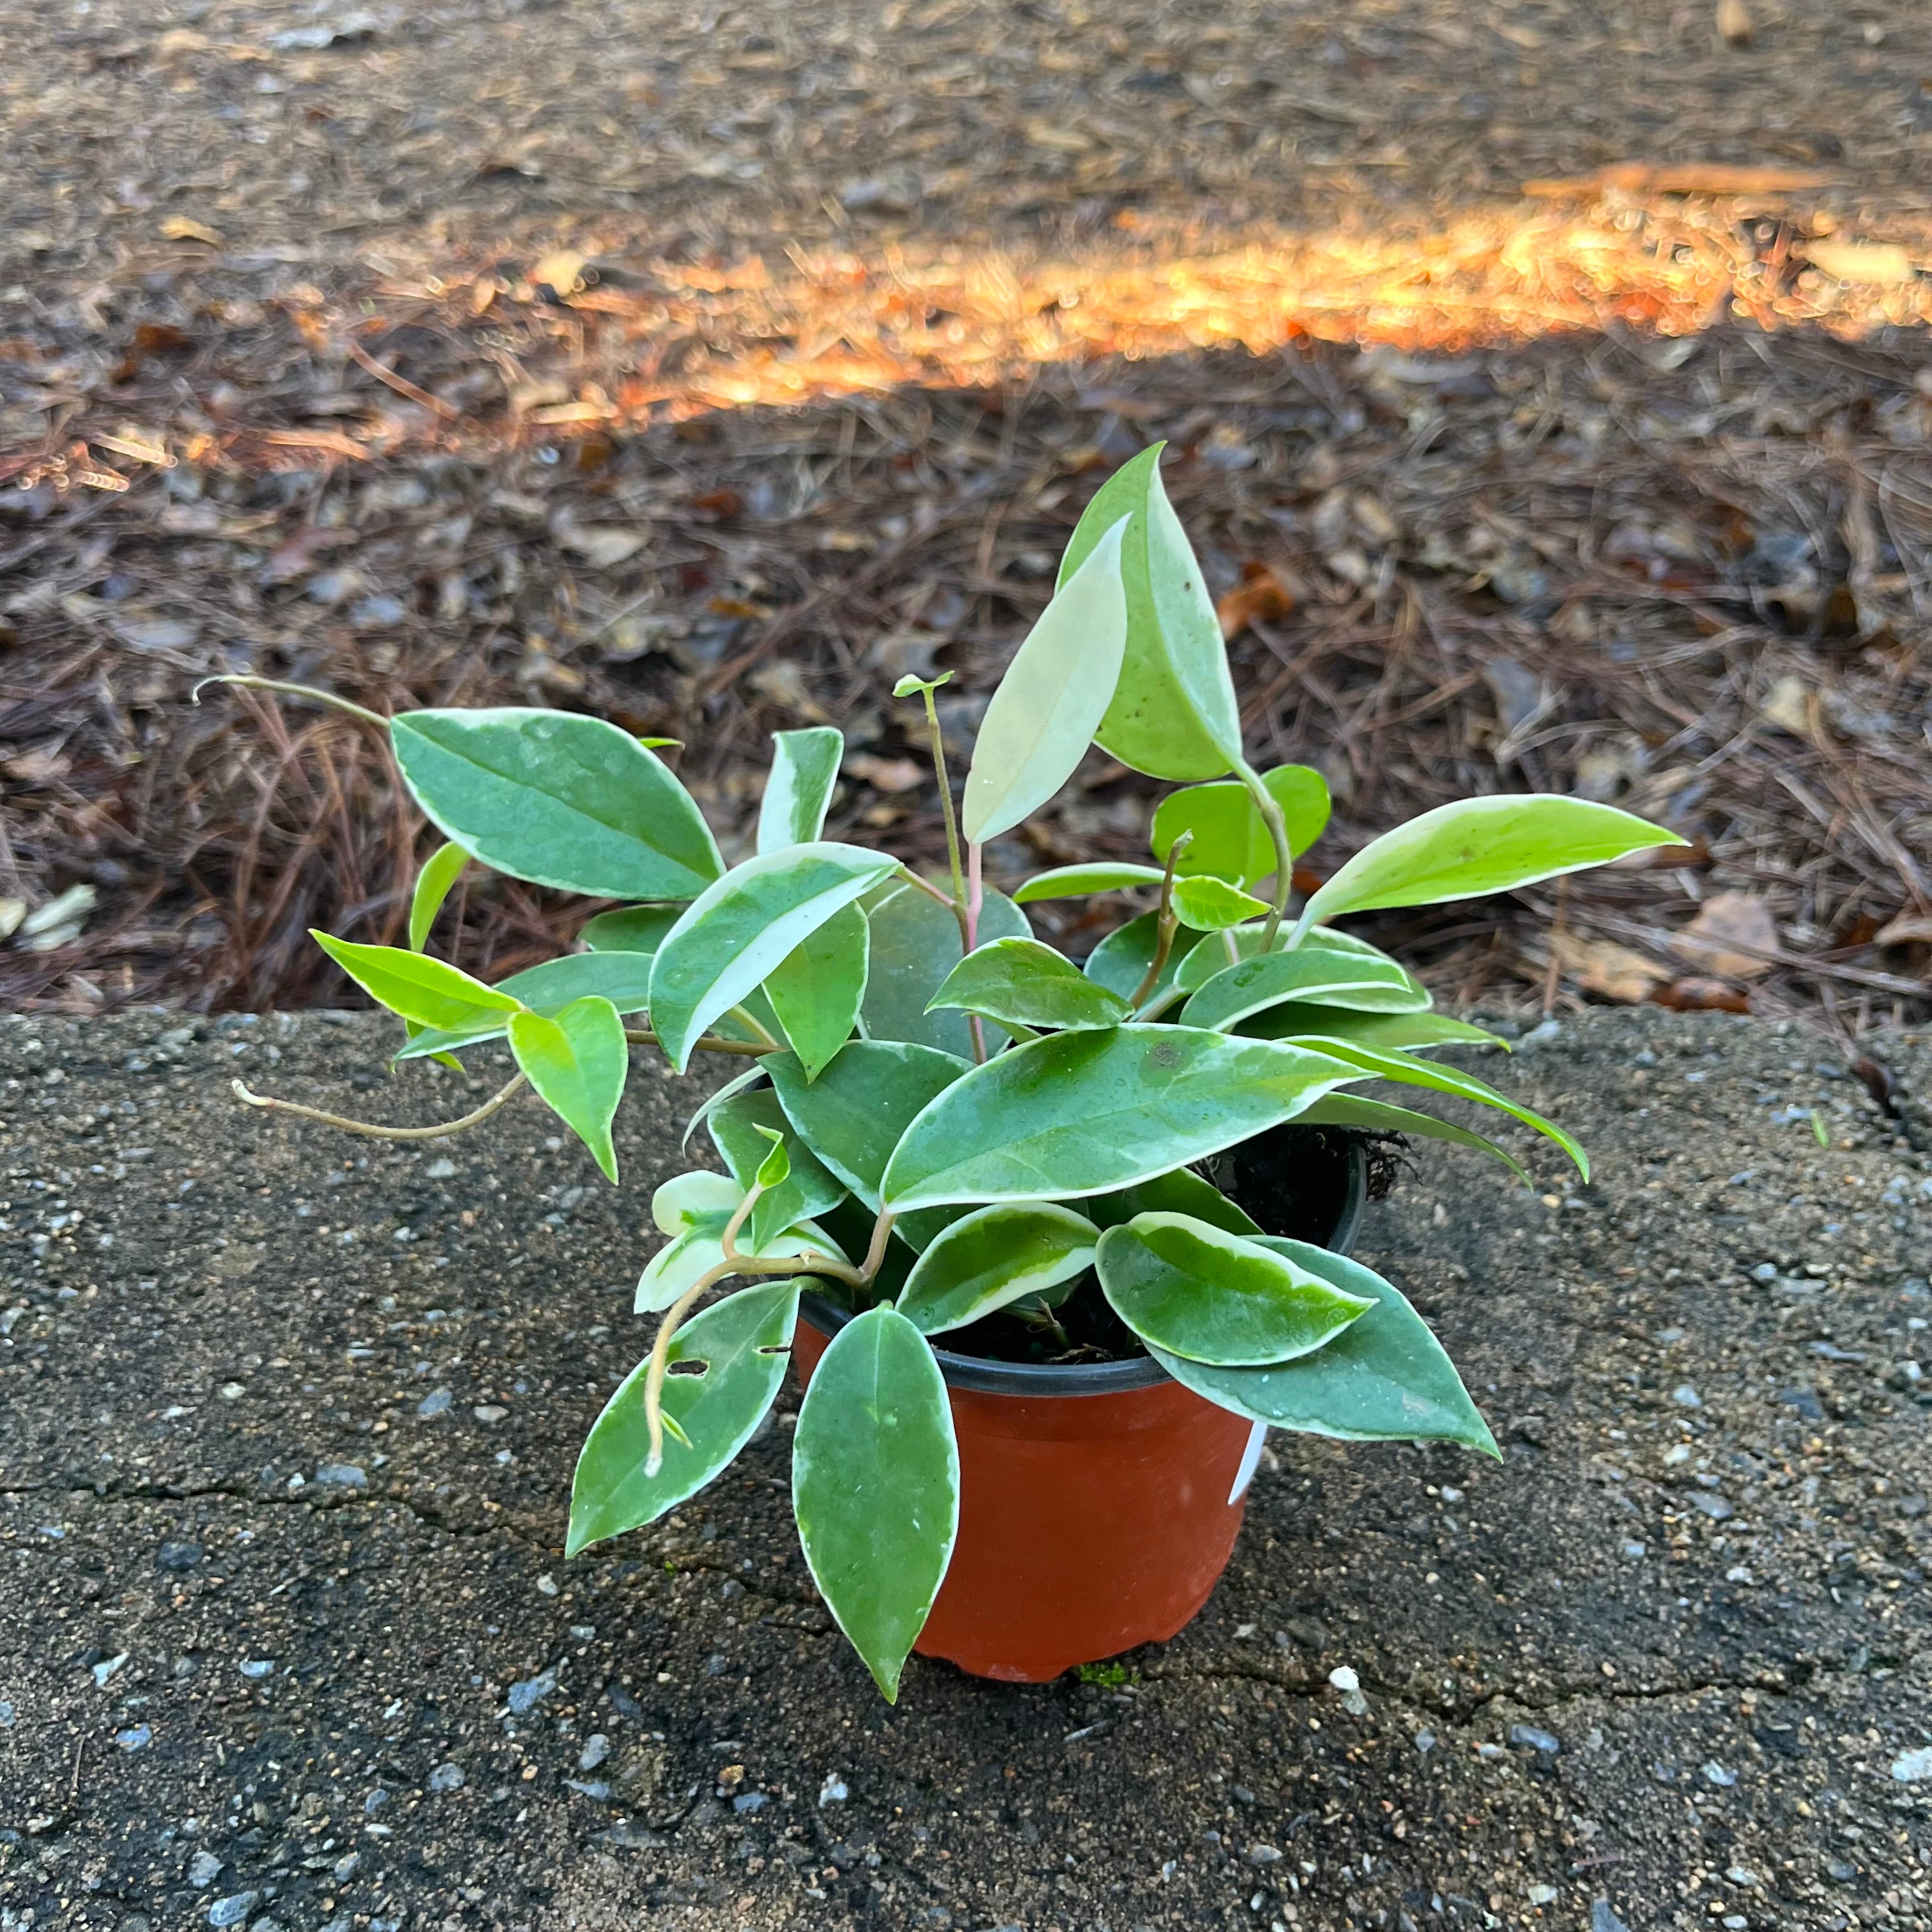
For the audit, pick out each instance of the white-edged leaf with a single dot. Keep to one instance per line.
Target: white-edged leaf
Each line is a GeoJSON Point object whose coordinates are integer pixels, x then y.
{"type": "Point", "coordinates": [577, 1063]}
{"type": "Point", "coordinates": [990, 1258]}
{"type": "Point", "coordinates": [798, 791]}
{"type": "Point", "coordinates": [1073, 882]}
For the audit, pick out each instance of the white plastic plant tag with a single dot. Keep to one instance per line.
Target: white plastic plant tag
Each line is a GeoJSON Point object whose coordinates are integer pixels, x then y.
{"type": "Point", "coordinates": [1251, 1461]}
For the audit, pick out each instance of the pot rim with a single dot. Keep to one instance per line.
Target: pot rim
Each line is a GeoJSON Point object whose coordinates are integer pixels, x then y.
{"type": "Point", "coordinates": [1047, 1379]}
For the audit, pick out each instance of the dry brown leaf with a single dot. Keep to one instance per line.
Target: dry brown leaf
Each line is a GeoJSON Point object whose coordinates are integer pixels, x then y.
{"type": "Point", "coordinates": [1612, 972]}
{"type": "Point", "coordinates": [1907, 929]}
{"type": "Point", "coordinates": [1786, 707]}
{"type": "Point", "coordinates": [179, 228]}
{"type": "Point", "coordinates": [1697, 995]}
{"type": "Point", "coordinates": [1726, 922]}
{"type": "Point", "coordinates": [1734, 23]}
{"type": "Point", "coordinates": [884, 774]}
{"type": "Point", "coordinates": [1260, 594]}
{"type": "Point", "coordinates": [1682, 178]}
{"type": "Point", "coordinates": [1882, 265]}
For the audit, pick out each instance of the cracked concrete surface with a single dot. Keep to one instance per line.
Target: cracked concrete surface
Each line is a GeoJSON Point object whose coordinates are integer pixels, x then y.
{"type": "Point", "coordinates": [286, 1441]}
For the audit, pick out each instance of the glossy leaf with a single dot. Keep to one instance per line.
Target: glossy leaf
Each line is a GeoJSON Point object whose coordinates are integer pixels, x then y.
{"type": "Point", "coordinates": [700, 1248]}
{"type": "Point", "coordinates": [1087, 1113]}
{"type": "Point", "coordinates": [915, 945]}
{"type": "Point", "coordinates": [1378, 1116]}
{"type": "Point", "coordinates": [737, 931]}
{"type": "Point", "coordinates": [1120, 960]}
{"type": "Point", "coordinates": [1385, 1378]}
{"type": "Point", "coordinates": [875, 1486]}
{"type": "Point", "coordinates": [752, 1075]}
{"type": "Point", "coordinates": [1173, 714]}
{"type": "Point", "coordinates": [1315, 974]}
{"type": "Point", "coordinates": [1230, 838]}
{"type": "Point", "coordinates": [624, 979]}
{"type": "Point", "coordinates": [852, 1115]}
{"type": "Point", "coordinates": [745, 1343]}
{"type": "Point", "coordinates": [1073, 882]}
{"type": "Point", "coordinates": [993, 1257]}
{"type": "Point", "coordinates": [738, 1130]}
{"type": "Point", "coordinates": [558, 799]}
{"type": "Point", "coordinates": [577, 1063]}
{"type": "Point", "coordinates": [1050, 703]}
{"type": "Point", "coordinates": [1182, 1191]}
{"type": "Point", "coordinates": [1195, 1290]}
{"type": "Point", "coordinates": [1410, 1071]}
{"type": "Point", "coordinates": [775, 1168]}
{"type": "Point", "coordinates": [1481, 845]}
{"type": "Point", "coordinates": [638, 929]}
{"type": "Point", "coordinates": [1404, 1032]}
{"type": "Point", "coordinates": [688, 1201]}
{"type": "Point", "coordinates": [1213, 905]}
{"type": "Point", "coordinates": [817, 989]}
{"type": "Point", "coordinates": [428, 991]}
{"type": "Point", "coordinates": [440, 872]}
{"type": "Point", "coordinates": [798, 792]}
{"type": "Point", "coordinates": [1022, 981]}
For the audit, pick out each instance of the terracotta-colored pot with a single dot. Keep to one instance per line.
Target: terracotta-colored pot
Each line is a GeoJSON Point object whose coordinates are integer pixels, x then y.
{"type": "Point", "coordinates": [1098, 1504]}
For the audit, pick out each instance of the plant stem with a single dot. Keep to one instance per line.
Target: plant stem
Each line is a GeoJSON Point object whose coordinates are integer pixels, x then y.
{"type": "Point", "coordinates": [946, 806]}
{"type": "Point", "coordinates": [969, 935]}
{"type": "Point", "coordinates": [1165, 925]}
{"type": "Point", "coordinates": [932, 892]}
{"type": "Point", "coordinates": [1270, 808]}
{"type": "Point", "coordinates": [709, 1043]}
{"type": "Point", "coordinates": [370, 1128]}
{"type": "Point", "coordinates": [751, 1020]}
{"type": "Point", "coordinates": [253, 683]}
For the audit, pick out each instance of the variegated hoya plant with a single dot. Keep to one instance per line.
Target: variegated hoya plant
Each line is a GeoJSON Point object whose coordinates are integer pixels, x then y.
{"type": "Point", "coordinates": [939, 1116]}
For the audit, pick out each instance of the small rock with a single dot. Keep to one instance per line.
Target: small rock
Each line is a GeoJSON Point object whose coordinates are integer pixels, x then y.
{"type": "Point", "coordinates": [1715, 1774]}
{"type": "Point", "coordinates": [525, 1696]}
{"type": "Point", "coordinates": [436, 1403]}
{"type": "Point", "coordinates": [108, 1667]}
{"type": "Point", "coordinates": [1425, 1742]}
{"type": "Point", "coordinates": [590, 1787]}
{"type": "Point", "coordinates": [596, 1749]}
{"type": "Point", "coordinates": [1537, 1740]}
{"type": "Point", "coordinates": [1840, 1870]}
{"type": "Point", "coordinates": [232, 1910]}
{"type": "Point", "coordinates": [344, 1869]}
{"type": "Point", "coordinates": [203, 1869]}
{"type": "Point", "coordinates": [546, 1586]}
{"type": "Point", "coordinates": [1913, 1767]}
{"type": "Point", "coordinates": [1685, 1396]}
{"type": "Point", "coordinates": [1803, 1400]}
{"type": "Point", "coordinates": [137, 1738]}
{"type": "Point", "coordinates": [1542, 1895]}
{"type": "Point", "coordinates": [255, 1668]}
{"type": "Point", "coordinates": [1603, 1919]}
{"type": "Point", "coordinates": [444, 1169]}
{"type": "Point", "coordinates": [1264, 1855]}
{"type": "Point", "coordinates": [834, 1790]}
{"type": "Point", "coordinates": [749, 1800]}
{"type": "Point", "coordinates": [489, 1411]}
{"type": "Point", "coordinates": [1715, 1507]}
{"type": "Point", "coordinates": [341, 1476]}
{"type": "Point", "coordinates": [180, 1558]}
{"type": "Point", "coordinates": [447, 1777]}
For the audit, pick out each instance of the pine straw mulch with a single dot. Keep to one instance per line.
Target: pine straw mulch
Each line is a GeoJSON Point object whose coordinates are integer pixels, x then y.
{"type": "Point", "coordinates": [1518, 543]}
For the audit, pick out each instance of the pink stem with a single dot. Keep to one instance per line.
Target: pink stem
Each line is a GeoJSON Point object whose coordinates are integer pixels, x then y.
{"type": "Point", "coordinates": [976, 896]}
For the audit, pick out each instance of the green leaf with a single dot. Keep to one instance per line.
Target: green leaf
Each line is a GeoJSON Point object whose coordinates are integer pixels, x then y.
{"type": "Point", "coordinates": [1044, 715]}
{"type": "Point", "coordinates": [1213, 905]}
{"type": "Point", "coordinates": [624, 979]}
{"type": "Point", "coordinates": [739, 1129]}
{"type": "Point", "coordinates": [1022, 982]}
{"type": "Point", "coordinates": [1173, 714]}
{"type": "Point", "coordinates": [818, 989]}
{"type": "Point", "coordinates": [735, 932]}
{"type": "Point", "coordinates": [852, 1115]}
{"type": "Point", "coordinates": [694, 1210]}
{"type": "Point", "coordinates": [424, 990]}
{"type": "Point", "coordinates": [1120, 960]}
{"type": "Point", "coordinates": [1230, 838]}
{"type": "Point", "coordinates": [1378, 1116]}
{"type": "Point", "coordinates": [798, 792]}
{"type": "Point", "coordinates": [992, 1257]}
{"type": "Point", "coordinates": [1412, 1072]}
{"type": "Point", "coordinates": [1316, 974]}
{"type": "Point", "coordinates": [1182, 1191]}
{"type": "Point", "coordinates": [1481, 845]}
{"type": "Point", "coordinates": [1085, 1113]}
{"type": "Point", "coordinates": [1229, 948]}
{"type": "Point", "coordinates": [910, 686]}
{"type": "Point", "coordinates": [1195, 1290]}
{"type": "Point", "coordinates": [875, 1486]}
{"type": "Point", "coordinates": [1407, 1032]}
{"type": "Point", "coordinates": [577, 1063]}
{"type": "Point", "coordinates": [558, 799]}
{"type": "Point", "coordinates": [915, 945]}
{"type": "Point", "coordinates": [1073, 882]}
{"type": "Point", "coordinates": [1385, 1378]}
{"type": "Point", "coordinates": [440, 873]}
{"type": "Point", "coordinates": [639, 928]}
{"type": "Point", "coordinates": [775, 1168]}
{"type": "Point", "coordinates": [745, 1343]}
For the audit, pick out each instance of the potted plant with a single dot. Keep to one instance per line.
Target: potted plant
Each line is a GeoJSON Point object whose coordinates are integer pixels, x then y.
{"type": "Point", "coordinates": [964, 1191]}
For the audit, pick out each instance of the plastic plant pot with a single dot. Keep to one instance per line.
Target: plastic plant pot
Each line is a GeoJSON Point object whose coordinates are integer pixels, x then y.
{"type": "Point", "coordinates": [1098, 1502]}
